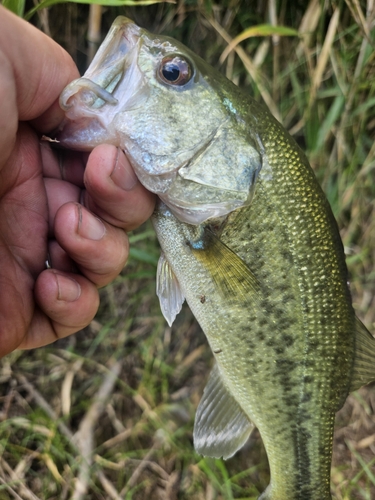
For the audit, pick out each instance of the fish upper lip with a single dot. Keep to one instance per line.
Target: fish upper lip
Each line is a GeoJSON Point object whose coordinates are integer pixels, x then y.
{"type": "Point", "coordinates": [106, 69]}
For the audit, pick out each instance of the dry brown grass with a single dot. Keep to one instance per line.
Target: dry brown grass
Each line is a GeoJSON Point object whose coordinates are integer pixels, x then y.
{"type": "Point", "coordinates": [108, 413]}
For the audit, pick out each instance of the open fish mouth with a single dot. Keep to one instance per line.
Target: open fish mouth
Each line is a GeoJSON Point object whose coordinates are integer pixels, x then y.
{"type": "Point", "coordinates": [107, 68]}
{"type": "Point", "coordinates": [106, 82]}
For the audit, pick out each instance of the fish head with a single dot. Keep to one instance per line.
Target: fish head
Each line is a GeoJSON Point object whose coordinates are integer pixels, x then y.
{"type": "Point", "coordinates": [174, 117]}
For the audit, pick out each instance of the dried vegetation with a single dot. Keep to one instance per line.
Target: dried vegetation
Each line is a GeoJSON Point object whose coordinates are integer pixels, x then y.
{"type": "Point", "coordinates": [108, 413]}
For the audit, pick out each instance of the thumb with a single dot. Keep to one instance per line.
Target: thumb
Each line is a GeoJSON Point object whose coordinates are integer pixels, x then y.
{"type": "Point", "coordinates": [38, 67]}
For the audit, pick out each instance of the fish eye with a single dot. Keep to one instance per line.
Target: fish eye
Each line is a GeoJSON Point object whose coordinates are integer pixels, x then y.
{"type": "Point", "coordinates": [175, 71]}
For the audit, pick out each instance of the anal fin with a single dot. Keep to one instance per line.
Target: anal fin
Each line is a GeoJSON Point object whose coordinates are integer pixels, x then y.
{"type": "Point", "coordinates": [364, 360]}
{"type": "Point", "coordinates": [221, 427]}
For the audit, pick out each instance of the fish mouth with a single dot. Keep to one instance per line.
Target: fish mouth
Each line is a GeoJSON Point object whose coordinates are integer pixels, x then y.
{"type": "Point", "coordinates": [90, 102]}
{"type": "Point", "coordinates": [107, 67]}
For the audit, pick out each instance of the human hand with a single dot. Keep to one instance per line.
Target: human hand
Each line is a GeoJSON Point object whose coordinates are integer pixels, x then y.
{"type": "Point", "coordinates": [76, 213]}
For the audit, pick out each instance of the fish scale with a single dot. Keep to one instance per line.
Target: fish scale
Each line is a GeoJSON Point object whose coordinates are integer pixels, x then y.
{"type": "Point", "coordinates": [288, 375]}
{"type": "Point", "coordinates": [247, 237]}
{"type": "Point", "coordinates": [327, 334]}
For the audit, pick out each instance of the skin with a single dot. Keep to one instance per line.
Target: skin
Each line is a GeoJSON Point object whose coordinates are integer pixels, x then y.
{"type": "Point", "coordinates": [75, 207]}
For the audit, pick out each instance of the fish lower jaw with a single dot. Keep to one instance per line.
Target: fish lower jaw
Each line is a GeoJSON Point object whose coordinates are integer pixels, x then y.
{"type": "Point", "coordinates": [74, 135]}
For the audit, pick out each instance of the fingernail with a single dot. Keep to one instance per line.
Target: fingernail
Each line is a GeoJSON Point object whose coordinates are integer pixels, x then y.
{"type": "Point", "coordinates": [67, 288]}
{"type": "Point", "coordinates": [89, 226]}
{"type": "Point", "coordinates": [122, 174]}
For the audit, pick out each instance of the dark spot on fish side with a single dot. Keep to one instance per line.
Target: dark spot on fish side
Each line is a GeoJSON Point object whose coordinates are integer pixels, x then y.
{"type": "Point", "coordinates": [284, 323]}
{"type": "Point", "coordinates": [278, 313]}
{"type": "Point", "coordinates": [260, 264]}
{"type": "Point", "coordinates": [288, 340]}
{"type": "Point", "coordinates": [266, 306]}
{"type": "Point", "coordinates": [288, 297]}
{"type": "Point", "coordinates": [309, 363]}
{"type": "Point", "coordinates": [260, 336]}
{"type": "Point", "coordinates": [304, 415]}
{"type": "Point", "coordinates": [306, 397]}
{"type": "Point", "coordinates": [313, 344]}
{"type": "Point", "coordinates": [283, 287]}
{"type": "Point", "coordinates": [202, 299]}
{"type": "Point", "coordinates": [279, 350]}
{"type": "Point", "coordinates": [285, 365]}
{"type": "Point", "coordinates": [286, 255]}
{"type": "Point", "coordinates": [291, 400]}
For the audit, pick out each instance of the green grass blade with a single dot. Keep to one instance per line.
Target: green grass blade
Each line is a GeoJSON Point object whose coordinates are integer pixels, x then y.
{"type": "Point", "coordinates": [261, 30]}
{"type": "Point", "coordinates": [16, 6]}
{"type": "Point", "coordinates": [332, 116]}
{"type": "Point", "coordinates": [366, 467]}
{"type": "Point", "coordinates": [143, 256]}
{"type": "Point", "coordinates": [267, 30]}
{"type": "Point", "coordinates": [106, 3]}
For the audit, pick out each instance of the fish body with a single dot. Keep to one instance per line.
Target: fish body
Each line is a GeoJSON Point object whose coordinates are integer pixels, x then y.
{"type": "Point", "coordinates": [247, 237]}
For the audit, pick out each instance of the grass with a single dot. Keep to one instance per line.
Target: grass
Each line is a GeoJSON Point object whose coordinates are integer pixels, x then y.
{"type": "Point", "coordinates": [108, 413]}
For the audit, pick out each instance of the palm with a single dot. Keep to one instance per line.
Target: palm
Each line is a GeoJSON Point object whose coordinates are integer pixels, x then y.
{"type": "Point", "coordinates": [23, 233]}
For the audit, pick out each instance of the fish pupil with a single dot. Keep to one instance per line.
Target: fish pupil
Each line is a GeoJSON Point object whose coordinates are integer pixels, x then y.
{"type": "Point", "coordinates": [171, 72]}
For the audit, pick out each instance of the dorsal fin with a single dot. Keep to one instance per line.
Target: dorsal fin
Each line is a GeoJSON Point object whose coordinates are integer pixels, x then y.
{"type": "Point", "coordinates": [364, 360]}
{"type": "Point", "coordinates": [168, 290]}
{"type": "Point", "coordinates": [221, 427]}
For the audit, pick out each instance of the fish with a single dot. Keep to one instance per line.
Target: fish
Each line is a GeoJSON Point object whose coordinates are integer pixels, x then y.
{"type": "Point", "coordinates": [247, 238]}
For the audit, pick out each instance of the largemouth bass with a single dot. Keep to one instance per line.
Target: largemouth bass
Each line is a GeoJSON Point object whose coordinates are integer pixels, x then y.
{"type": "Point", "coordinates": [247, 237]}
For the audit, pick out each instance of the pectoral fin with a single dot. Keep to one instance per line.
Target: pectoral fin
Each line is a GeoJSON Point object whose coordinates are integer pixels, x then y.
{"type": "Point", "coordinates": [168, 290]}
{"type": "Point", "coordinates": [231, 275]}
{"type": "Point", "coordinates": [364, 361]}
{"type": "Point", "coordinates": [221, 426]}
